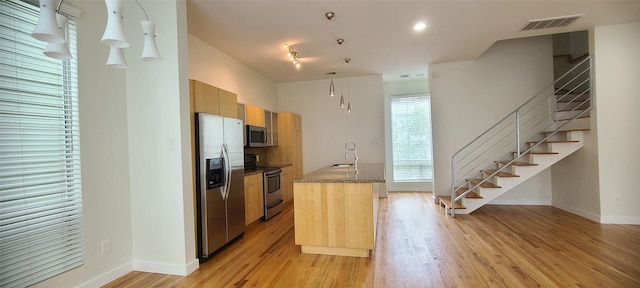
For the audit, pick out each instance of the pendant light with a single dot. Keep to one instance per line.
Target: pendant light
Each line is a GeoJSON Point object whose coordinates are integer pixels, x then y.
{"type": "Point", "coordinates": [114, 31]}
{"type": "Point", "coordinates": [332, 88]}
{"type": "Point", "coordinates": [59, 50]}
{"type": "Point", "coordinates": [47, 28]}
{"type": "Point", "coordinates": [340, 42]}
{"type": "Point", "coordinates": [116, 58]}
{"type": "Point", "coordinates": [347, 60]}
{"type": "Point", "coordinates": [150, 51]}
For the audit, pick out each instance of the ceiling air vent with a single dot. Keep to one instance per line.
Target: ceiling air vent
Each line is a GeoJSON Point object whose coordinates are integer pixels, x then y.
{"type": "Point", "coordinates": [550, 22]}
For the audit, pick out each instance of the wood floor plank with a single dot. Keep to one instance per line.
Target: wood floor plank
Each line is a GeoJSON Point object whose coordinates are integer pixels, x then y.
{"type": "Point", "coordinates": [419, 246]}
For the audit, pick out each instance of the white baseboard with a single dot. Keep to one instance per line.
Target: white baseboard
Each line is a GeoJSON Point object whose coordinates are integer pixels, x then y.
{"type": "Point", "coordinates": [520, 202]}
{"type": "Point", "coordinates": [109, 276]}
{"type": "Point", "coordinates": [165, 268]}
{"type": "Point", "coordinates": [620, 220]}
{"type": "Point", "coordinates": [580, 212]}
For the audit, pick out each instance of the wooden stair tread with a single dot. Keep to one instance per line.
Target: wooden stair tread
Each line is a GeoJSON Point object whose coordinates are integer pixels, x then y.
{"type": "Point", "coordinates": [517, 163]}
{"type": "Point", "coordinates": [501, 173]}
{"type": "Point", "coordinates": [556, 141]}
{"type": "Point", "coordinates": [570, 110]}
{"type": "Point", "coordinates": [485, 184]}
{"type": "Point", "coordinates": [471, 194]}
{"type": "Point", "coordinates": [566, 130]}
{"type": "Point", "coordinates": [566, 119]}
{"type": "Point", "coordinates": [537, 152]}
{"type": "Point", "coordinates": [573, 101]}
{"type": "Point", "coordinates": [446, 201]}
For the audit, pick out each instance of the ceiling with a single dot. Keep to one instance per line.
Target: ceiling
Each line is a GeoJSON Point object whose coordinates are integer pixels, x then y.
{"type": "Point", "coordinates": [378, 35]}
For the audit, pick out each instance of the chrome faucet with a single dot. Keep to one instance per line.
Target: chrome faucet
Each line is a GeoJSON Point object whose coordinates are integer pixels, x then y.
{"type": "Point", "coordinates": [355, 153]}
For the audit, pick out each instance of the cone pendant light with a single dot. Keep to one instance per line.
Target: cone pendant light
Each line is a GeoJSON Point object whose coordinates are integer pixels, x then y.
{"type": "Point", "coordinates": [150, 51]}
{"type": "Point", "coordinates": [114, 31]}
{"type": "Point", "coordinates": [116, 58]}
{"type": "Point", "coordinates": [47, 28]}
{"type": "Point", "coordinates": [59, 50]}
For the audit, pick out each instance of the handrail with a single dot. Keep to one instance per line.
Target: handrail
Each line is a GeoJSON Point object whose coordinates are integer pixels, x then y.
{"type": "Point", "coordinates": [533, 118]}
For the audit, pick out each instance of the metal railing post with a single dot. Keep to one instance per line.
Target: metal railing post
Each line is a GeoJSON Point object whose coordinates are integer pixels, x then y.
{"type": "Point", "coordinates": [518, 131]}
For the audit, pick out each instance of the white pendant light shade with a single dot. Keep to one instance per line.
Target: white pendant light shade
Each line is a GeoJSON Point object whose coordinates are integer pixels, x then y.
{"type": "Point", "coordinates": [150, 51]}
{"type": "Point", "coordinates": [114, 31]}
{"type": "Point", "coordinates": [59, 50]}
{"type": "Point", "coordinates": [332, 89]}
{"type": "Point", "coordinates": [116, 58]}
{"type": "Point", "coordinates": [342, 100]}
{"type": "Point", "coordinates": [47, 29]}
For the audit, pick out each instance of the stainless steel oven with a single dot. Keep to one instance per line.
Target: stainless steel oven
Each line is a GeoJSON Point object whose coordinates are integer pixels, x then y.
{"type": "Point", "coordinates": [273, 201]}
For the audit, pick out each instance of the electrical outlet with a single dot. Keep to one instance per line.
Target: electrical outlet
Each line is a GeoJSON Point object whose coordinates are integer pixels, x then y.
{"type": "Point", "coordinates": [105, 247]}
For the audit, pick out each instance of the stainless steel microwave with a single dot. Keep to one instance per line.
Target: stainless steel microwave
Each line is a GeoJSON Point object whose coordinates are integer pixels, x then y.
{"type": "Point", "coordinates": [256, 136]}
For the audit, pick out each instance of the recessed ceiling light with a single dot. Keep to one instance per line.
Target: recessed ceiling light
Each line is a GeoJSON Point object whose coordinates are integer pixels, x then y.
{"type": "Point", "coordinates": [419, 26]}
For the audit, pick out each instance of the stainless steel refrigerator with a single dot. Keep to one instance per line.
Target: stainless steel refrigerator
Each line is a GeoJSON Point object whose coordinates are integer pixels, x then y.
{"type": "Point", "coordinates": [219, 181]}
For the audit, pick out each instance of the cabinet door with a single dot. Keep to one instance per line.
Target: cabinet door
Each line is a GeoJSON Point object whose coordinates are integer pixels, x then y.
{"type": "Point", "coordinates": [205, 97]}
{"type": "Point", "coordinates": [287, 184]}
{"type": "Point", "coordinates": [227, 103]}
{"type": "Point", "coordinates": [253, 198]}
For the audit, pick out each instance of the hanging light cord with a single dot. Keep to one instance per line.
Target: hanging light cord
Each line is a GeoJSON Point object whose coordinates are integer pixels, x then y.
{"type": "Point", "coordinates": [144, 11]}
{"type": "Point", "coordinates": [59, 5]}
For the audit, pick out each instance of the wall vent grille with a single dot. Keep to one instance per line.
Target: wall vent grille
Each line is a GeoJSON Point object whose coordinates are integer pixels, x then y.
{"type": "Point", "coordinates": [554, 22]}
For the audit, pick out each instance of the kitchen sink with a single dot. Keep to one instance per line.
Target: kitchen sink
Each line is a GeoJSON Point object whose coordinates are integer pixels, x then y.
{"type": "Point", "coordinates": [342, 165]}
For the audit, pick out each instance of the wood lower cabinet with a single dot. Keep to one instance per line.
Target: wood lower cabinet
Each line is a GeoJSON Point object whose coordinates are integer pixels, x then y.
{"type": "Point", "coordinates": [287, 184]}
{"type": "Point", "coordinates": [253, 198]}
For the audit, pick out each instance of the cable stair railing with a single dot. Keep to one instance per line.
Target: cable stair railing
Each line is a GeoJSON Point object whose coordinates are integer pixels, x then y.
{"type": "Point", "coordinates": [519, 133]}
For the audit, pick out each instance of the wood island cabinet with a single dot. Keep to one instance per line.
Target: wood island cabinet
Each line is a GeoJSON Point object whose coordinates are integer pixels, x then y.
{"type": "Point", "coordinates": [287, 184]}
{"type": "Point", "coordinates": [253, 198]}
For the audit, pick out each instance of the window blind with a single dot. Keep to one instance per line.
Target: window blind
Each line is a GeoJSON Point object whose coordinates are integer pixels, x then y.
{"type": "Point", "coordinates": [40, 191]}
{"type": "Point", "coordinates": [411, 143]}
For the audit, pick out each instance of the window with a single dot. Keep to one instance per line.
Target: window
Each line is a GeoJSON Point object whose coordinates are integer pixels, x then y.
{"type": "Point", "coordinates": [40, 196]}
{"type": "Point", "coordinates": [411, 138]}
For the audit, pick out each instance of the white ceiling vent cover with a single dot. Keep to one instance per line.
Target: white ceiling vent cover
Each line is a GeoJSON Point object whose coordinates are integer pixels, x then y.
{"type": "Point", "coordinates": [550, 22]}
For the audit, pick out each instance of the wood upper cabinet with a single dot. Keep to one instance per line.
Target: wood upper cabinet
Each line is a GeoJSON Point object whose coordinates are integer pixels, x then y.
{"type": "Point", "coordinates": [227, 102]}
{"type": "Point", "coordinates": [254, 115]}
{"type": "Point", "coordinates": [209, 99]}
{"type": "Point", "coordinates": [289, 149]}
{"type": "Point", "coordinates": [253, 198]}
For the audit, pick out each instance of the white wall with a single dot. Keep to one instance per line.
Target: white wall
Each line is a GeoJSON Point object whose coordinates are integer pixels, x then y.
{"type": "Point", "coordinates": [396, 88]}
{"type": "Point", "coordinates": [160, 149]}
{"type": "Point", "coordinates": [326, 127]}
{"type": "Point", "coordinates": [617, 65]}
{"type": "Point", "coordinates": [136, 187]}
{"type": "Point", "coordinates": [105, 157]}
{"type": "Point", "coordinates": [209, 65]}
{"type": "Point", "coordinates": [468, 97]}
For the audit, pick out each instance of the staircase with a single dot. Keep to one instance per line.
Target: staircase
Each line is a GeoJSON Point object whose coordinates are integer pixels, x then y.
{"type": "Point", "coordinates": [542, 131]}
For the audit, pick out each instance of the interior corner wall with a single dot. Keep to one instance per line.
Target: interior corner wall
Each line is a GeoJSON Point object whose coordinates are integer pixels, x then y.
{"type": "Point", "coordinates": [104, 156]}
{"type": "Point", "coordinates": [326, 127]}
{"type": "Point", "coordinates": [468, 97]}
{"type": "Point", "coordinates": [209, 65]}
{"type": "Point", "coordinates": [617, 90]}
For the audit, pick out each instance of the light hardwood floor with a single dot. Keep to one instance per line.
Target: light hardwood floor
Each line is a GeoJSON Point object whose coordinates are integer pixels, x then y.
{"type": "Point", "coordinates": [418, 246]}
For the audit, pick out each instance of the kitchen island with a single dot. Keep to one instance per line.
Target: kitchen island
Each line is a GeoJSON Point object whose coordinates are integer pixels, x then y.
{"type": "Point", "coordinates": [335, 209]}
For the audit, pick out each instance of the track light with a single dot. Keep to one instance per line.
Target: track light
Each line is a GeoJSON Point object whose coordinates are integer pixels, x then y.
{"type": "Point", "coordinates": [293, 56]}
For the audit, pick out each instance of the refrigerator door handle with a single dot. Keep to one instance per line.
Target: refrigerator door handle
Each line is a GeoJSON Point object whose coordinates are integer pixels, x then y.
{"type": "Point", "coordinates": [227, 168]}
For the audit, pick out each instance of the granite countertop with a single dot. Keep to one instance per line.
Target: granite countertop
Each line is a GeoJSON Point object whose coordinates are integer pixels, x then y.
{"type": "Point", "coordinates": [367, 173]}
{"type": "Point", "coordinates": [260, 169]}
